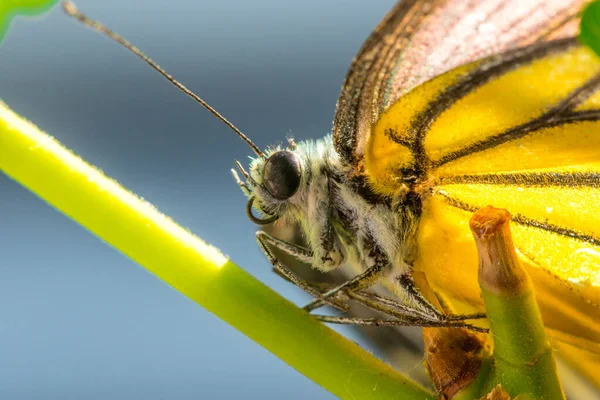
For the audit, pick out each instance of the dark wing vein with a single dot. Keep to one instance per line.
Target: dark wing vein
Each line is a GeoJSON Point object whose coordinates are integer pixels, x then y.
{"type": "Point", "coordinates": [575, 98]}
{"type": "Point", "coordinates": [530, 127]}
{"type": "Point", "coordinates": [529, 222]}
{"type": "Point", "coordinates": [550, 32]}
{"type": "Point", "coordinates": [361, 75]}
{"type": "Point", "coordinates": [535, 179]}
{"type": "Point", "coordinates": [490, 69]}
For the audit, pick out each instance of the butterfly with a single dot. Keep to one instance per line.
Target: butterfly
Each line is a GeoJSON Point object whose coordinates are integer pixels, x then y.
{"type": "Point", "coordinates": [449, 106]}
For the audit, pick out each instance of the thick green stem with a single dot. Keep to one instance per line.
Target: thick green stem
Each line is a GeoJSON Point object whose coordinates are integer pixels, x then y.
{"type": "Point", "coordinates": [197, 270]}
{"type": "Point", "coordinates": [524, 360]}
{"type": "Point", "coordinates": [524, 364]}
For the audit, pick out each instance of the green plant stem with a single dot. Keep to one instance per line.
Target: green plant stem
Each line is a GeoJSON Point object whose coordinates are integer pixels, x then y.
{"type": "Point", "coordinates": [523, 361]}
{"type": "Point", "coordinates": [197, 270]}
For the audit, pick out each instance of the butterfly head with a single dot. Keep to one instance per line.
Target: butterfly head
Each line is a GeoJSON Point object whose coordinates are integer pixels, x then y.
{"type": "Point", "coordinates": [274, 183]}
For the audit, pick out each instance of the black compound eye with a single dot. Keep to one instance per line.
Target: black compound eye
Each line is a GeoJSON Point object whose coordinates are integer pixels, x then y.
{"type": "Point", "coordinates": [281, 174]}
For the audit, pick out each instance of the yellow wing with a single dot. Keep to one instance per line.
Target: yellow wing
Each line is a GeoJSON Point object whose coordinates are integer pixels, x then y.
{"type": "Point", "coordinates": [420, 39]}
{"type": "Point", "coordinates": [520, 131]}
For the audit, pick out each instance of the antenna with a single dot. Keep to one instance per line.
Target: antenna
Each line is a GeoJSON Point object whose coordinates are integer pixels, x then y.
{"type": "Point", "coordinates": [71, 10]}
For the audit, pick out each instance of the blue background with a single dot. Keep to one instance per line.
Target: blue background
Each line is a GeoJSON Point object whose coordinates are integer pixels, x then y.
{"type": "Point", "coordinates": [78, 319]}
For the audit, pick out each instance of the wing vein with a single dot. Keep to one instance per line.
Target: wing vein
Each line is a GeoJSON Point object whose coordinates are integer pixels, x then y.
{"type": "Point", "coordinates": [529, 222]}
{"type": "Point", "coordinates": [539, 179]}
{"type": "Point", "coordinates": [490, 69]}
{"type": "Point", "coordinates": [533, 126]}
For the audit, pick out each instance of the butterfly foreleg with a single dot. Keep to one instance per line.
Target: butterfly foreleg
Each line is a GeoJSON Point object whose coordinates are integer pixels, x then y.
{"type": "Point", "coordinates": [408, 286]}
{"type": "Point", "coordinates": [327, 251]}
{"type": "Point", "coordinates": [300, 253]}
{"type": "Point", "coordinates": [400, 314]}
{"type": "Point", "coordinates": [362, 281]}
{"type": "Point", "coordinates": [399, 321]}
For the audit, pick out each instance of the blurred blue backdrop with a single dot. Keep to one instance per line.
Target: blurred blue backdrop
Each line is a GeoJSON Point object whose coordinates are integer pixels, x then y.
{"type": "Point", "coordinates": [78, 319]}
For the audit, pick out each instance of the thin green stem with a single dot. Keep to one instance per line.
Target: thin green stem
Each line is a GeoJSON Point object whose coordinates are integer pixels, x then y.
{"type": "Point", "coordinates": [197, 270]}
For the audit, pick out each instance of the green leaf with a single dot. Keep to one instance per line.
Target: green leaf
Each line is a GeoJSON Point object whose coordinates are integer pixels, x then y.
{"type": "Point", "coordinates": [11, 8]}
{"type": "Point", "coordinates": [590, 26]}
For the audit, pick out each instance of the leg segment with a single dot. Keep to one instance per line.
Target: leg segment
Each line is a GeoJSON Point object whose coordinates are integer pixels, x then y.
{"type": "Point", "coordinates": [286, 273]}
{"type": "Point", "coordinates": [407, 283]}
{"type": "Point", "coordinates": [298, 252]}
{"type": "Point", "coordinates": [396, 322]}
{"type": "Point", "coordinates": [358, 283]}
{"type": "Point", "coordinates": [402, 312]}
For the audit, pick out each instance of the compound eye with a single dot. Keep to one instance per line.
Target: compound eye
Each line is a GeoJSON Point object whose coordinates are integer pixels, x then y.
{"type": "Point", "coordinates": [281, 175]}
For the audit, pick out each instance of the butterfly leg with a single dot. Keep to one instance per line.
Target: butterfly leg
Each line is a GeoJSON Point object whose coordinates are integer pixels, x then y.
{"type": "Point", "coordinates": [404, 321]}
{"type": "Point", "coordinates": [301, 254]}
{"type": "Point", "coordinates": [298, 252]}
{"type": "Point", "coordinates": [358, 283]}
{"type": "Point", "coordinates": [399, 314]}
{"type": "Point", "coordinates": [407, 284]}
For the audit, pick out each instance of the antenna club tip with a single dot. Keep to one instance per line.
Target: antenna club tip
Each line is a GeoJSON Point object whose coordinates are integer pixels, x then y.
{"type": "Point", "coordinates": [70, 8]}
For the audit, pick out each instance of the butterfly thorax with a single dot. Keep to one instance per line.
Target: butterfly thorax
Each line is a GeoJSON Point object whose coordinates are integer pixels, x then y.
{"type": "Point", "coordinates": [343, 221]}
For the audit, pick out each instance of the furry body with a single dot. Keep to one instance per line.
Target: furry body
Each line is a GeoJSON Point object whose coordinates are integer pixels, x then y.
{"type": "Point", "coordinates": [342, 220]}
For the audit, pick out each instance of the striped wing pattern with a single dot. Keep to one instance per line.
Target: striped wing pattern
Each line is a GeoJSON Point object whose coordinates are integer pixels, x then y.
{"type": "Point", "coordinates": [521, 131]}
{"type": "Point", "coordinates": [421, 39]}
